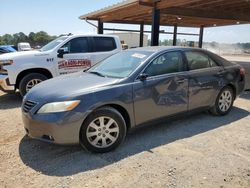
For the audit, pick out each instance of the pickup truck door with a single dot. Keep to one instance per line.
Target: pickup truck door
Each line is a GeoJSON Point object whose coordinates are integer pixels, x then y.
{"type": "Point", "coordinates": [76, 56]}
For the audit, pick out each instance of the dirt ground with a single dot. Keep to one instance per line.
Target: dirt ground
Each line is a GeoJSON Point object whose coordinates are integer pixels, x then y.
{"type": "Point", "coordinates": [196, 151]}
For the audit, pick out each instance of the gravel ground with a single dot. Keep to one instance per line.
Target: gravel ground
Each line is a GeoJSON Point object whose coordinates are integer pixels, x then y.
{"type": "Point", "coordinates": [197, 151]}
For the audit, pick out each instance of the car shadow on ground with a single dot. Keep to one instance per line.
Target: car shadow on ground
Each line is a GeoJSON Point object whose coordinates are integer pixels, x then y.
{"type": "Point", "coordinates": [245, 95]}
{"type": "Point", "coordinates": [9, 101]}
{"type": "Point", "coordinates": [54, 160]}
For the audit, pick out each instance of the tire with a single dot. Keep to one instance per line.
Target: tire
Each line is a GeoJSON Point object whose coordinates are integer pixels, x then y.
{"type": "Point", "coordinates": [99, 137]}
{"type": "Point", "coordinates": [224, 102]}
{"type": "Point", "coordinates": [30, 81]}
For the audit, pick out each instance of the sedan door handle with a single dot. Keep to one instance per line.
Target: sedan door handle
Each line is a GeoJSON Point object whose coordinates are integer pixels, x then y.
{"type": "Point", "coordinates": [181, 81]}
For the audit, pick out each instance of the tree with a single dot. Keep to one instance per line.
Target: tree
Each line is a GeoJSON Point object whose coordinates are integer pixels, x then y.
{"type": "Point", "coordinates": [31, 37]}
{"type": "Point", "coordinates": [8, 39]}
{"type": "Point", "coordinates": [41, 38]}
{"type": "Point", "coordinates": [35, 39]}
{"type": "Point", "coordinates": [19, 37]}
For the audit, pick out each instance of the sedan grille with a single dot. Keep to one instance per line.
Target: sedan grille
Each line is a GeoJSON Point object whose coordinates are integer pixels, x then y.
{"type": "Point", "coordinates": [28, 105]}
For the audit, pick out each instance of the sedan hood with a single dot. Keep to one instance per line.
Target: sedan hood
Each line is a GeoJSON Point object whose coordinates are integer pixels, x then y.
{"type": "Point", "coordinates": [68, 86]}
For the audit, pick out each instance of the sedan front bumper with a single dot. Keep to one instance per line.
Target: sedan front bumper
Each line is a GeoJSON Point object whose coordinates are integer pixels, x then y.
{"type": "Point", "coordinates": [58, 128]}
{"type": "Point", "coordinates": [5, 84]}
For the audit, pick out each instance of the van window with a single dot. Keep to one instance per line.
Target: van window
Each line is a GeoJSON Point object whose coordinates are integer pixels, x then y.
{"type": "Point", "coordinates": [104, 44]}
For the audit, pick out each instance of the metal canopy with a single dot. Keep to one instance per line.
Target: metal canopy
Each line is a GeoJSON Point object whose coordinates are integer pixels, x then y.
{"type": "Point", "coordinates": [185, 13]}
{"type": "Point", "coordinates": [190, 13]}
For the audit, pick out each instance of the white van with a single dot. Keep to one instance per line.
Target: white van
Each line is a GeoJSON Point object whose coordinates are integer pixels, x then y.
{"type": "Point", "coordinates": [23, 46]}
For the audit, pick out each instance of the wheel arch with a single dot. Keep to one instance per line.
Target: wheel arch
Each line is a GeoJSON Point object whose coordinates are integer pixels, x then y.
{"type": "Point", "coordinates": [233, 88]}
{"type": "Point", "coordinates": [115, 108]}
{"type": "Point", "coordinates": [22, 74]}
{"type": "Point", "coordinates": [122, 110]}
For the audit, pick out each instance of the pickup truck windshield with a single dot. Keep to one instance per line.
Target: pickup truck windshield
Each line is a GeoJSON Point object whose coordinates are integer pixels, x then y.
{"type": "Point", "coordinates": [121, 64]}
{"type": "Point", "coordinates": [53, 44]}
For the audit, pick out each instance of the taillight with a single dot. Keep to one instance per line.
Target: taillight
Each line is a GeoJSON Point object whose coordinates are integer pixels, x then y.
{"type": "Point", "coordinates": [242, 71]}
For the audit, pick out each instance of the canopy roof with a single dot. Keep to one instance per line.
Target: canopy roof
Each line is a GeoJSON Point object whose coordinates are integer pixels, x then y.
{"type": "Point", "coordinates": [189, 13]}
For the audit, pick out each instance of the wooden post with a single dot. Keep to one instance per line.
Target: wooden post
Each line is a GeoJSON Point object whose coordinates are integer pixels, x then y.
{"type": "Point", "coordinates": [100, 27]}
{"type": "Point", "coordinates": [155, 27]}
{"type": "Point", "coordinates": [201, 36]}
{"type": "Point", "coordinates": [175, 35]}
{"type": "Point", "coordinates": [141, 34]}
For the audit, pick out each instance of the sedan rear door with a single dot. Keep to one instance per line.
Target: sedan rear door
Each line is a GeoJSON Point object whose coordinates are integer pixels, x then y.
{"type": "Point", "coordinates": [205, 77]}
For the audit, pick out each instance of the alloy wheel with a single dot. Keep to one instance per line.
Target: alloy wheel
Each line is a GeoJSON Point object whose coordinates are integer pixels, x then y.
{"type": "Point", "coordinates": [102, 132]}
{"type": "Point", "coordinates": [225, 100]}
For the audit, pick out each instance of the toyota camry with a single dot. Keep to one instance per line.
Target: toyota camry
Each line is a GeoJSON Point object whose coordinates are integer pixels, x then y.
{"type": "Point", "coordinates": [97, 107]}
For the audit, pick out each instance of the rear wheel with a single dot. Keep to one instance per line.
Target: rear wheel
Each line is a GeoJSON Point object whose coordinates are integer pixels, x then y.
{"type": "Point", "coordinates": [29, 81]}
{"type": "Point", "coordinates": [224, 102]}
{"type": "Point", "coordinates": [103, 130]}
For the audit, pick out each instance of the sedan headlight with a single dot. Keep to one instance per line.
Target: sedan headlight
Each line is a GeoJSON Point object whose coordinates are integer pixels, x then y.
{"type": "Point", "coordinates": [6, 62]}
{"type": "Point", "coordinates": [58, 107]}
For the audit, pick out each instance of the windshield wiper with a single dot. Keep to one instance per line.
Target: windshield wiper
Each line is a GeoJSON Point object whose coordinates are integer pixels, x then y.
{"type": "Point", "coordinates": [97, 73]}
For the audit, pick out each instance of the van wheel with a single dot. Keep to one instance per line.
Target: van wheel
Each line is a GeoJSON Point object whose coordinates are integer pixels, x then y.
{"type": "Point", "coordinates": [103, 130]}
{"type": "Point", "coordinates": [30, 81]}
{"type": "Point", "coordinates": [224, 102]}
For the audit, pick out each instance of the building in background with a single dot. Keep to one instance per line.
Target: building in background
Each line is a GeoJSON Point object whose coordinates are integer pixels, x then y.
{"type": "Point", "coordinates": [131, 40]}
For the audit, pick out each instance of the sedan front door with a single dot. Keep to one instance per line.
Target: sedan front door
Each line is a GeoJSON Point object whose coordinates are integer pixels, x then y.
{"type": "Point", "coordinates": [163, 92]}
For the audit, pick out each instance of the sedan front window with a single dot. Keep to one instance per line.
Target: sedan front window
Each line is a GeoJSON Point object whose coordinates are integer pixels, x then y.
{"type": "Point", "coordinates": [121, 64]}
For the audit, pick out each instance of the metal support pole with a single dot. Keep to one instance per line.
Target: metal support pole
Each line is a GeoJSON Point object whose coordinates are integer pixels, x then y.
{"type": "Point", "coordinates": [155, 27]}
{"type": "Point", "coordinates": [100, 27]}
{"type": "Point", "coordinates": [201, 36]}
{"type": "Point", "coordinates": [141, 34]}
{"type": "Point", "coordinates": [175, 35]}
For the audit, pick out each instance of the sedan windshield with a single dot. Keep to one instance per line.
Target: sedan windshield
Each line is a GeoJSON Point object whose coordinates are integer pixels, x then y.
{"type": "Point", "coordinates": [53, 44]}
{"type": "Point", "coordinates": [121, 64]}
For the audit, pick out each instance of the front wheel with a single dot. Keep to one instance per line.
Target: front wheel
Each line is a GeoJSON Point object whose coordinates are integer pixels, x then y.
{"type": "Point", "coordinates": [224, 102]}
{"type": "Point", "coordinates": [103, 130]}
{"type": "Point", "coordinates": [29, 81]}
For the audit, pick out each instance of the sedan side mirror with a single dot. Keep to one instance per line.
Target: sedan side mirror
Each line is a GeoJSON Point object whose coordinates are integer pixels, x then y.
{"type": "Point", "coordinates": [143, 76]}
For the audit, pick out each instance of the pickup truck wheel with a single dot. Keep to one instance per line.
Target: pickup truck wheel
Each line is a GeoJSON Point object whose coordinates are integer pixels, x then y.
{"type": "Point", "coordinates": [30, 81]}
{"type": "Point", "coordinates": [103, 130]}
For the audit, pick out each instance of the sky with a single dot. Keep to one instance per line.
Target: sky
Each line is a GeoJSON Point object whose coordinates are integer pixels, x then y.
{"type": "Point", "coordinates": [61, 16]}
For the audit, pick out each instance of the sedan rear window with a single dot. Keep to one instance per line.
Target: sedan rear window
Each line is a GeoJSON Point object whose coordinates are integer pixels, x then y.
{"type": "Point", "coordinates": [199, 60]}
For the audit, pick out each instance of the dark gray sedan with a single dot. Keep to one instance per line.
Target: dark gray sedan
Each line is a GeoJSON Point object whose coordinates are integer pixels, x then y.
{"type": "Point", "coordinates": [96, 108]}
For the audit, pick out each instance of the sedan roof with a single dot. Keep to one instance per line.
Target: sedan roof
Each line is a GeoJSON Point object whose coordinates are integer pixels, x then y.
{"type": "Point", "coordinates": [162, 48]}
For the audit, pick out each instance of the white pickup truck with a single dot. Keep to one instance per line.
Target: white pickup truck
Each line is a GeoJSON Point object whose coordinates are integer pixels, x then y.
{"type": "Point", "coordinates": [66, 54]}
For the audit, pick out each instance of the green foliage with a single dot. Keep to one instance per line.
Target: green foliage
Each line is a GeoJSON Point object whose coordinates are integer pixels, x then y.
{"type": "Point", "coordinates": [7, 39]}
{"type": "Point", "coordinates": [35, 39]}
